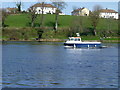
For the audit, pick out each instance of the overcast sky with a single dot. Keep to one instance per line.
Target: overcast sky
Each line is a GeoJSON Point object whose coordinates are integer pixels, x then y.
{"type": "Point", "coordinates": [77, 3]}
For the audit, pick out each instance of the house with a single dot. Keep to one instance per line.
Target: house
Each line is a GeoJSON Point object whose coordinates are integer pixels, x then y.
{"type": "Point", "coordinates": [80, 12]}
{"type": "Point", "coordinates": [47, 8]}
{"type": "Point", "coordinates": [11, 10]}
{"type": "Point", "coordinates": [108, 13]}
{"type": "Point", "coordinates": [61, 13]}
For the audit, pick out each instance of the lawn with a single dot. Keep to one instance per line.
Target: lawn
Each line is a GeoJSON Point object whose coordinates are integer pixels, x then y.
{"type": "Point", "coordinates": [22, 20]}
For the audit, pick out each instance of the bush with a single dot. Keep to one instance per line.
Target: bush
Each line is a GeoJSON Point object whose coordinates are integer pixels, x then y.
{"type": "Point", "coordinates": [19, 34]}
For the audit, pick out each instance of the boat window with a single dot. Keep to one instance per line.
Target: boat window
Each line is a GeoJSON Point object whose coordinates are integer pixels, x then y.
{"type": "Point", "coordinates": [71, 39]}
{"type": "Point", "coordinates": [78, 39]}
{"type": "Point", "coordinates": [74, 39]}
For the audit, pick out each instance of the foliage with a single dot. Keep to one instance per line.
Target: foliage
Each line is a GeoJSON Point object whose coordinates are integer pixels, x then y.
{"type": "Point", "coordinates": [77, 25]}
{"type": "Point", "coordinates": [19, 34]}
{"type": "Point", "coordinates": [32, 16]}
{"type": "Point", "coordinates": [4, 16]}
{"type": "Point", "coordinates": [19, 4]}
{"type": "Point", "coordinates": [39, 32]}
{"type": "Point", "coordinates": [66, 23]}
{"type": "Point", "coordinates": [42, 15]}
{"type": "Point", "coordinates": [60, 5]}
{"type": "Point", "coordinates": [95, 18]}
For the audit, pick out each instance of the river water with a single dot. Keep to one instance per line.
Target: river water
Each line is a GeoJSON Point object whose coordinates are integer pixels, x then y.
{"type": "Point", "coordinates": [50, 65]}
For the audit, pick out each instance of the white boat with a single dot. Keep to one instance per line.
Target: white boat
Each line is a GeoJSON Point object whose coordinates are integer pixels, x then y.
{"type": "Point", "coordinates": [76, 42]}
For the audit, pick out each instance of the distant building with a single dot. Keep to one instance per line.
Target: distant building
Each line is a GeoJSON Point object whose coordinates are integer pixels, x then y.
{"type": "Point", "coordinates": [11, 10]}
{"type": "Point", "coordinates": [47, 9]}
{"type": "Point", "coordinates": [60, 13]}
{"type": "Point", "coordinates": [80, 12]}
{"type": "Point", "coordinates": [108, 13]}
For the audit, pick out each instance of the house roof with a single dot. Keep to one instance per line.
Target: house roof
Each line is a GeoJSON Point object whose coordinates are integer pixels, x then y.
{"type": "Point", "coordinates": [79, 9]}
{"type": "Point", "coordinates": [11, 9]}
{"type": "Point", "coordinates": [108, 11]}
{"type": "Point", "coordinates": [45, 5]}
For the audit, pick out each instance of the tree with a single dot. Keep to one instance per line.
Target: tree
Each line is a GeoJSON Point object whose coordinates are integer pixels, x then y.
{"type": "Point", "coordinates": [60, 5]}
{"type": "Point", "coordinates": [95, 18]}
{"type": "Point", "coordinates": [4, 16]}
{"type": "Point", "coordinates": [33, 15]}
{"type": "Point", "coordinates": [77, 25]}
{"type": "Point", "coordinates": [19, 4]}
{"type": "Point", "coordinates": [42, 14]}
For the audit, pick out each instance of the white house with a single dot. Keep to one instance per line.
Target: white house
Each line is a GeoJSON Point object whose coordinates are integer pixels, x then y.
{"type": "Point", "coordinates": [81, 12]}
{"type": "Point", "coordinates": [11, 10]}
{"type": "Point", "coordinates": [108, 13]}
{"type": "Point", "coordinates": [47, 8]}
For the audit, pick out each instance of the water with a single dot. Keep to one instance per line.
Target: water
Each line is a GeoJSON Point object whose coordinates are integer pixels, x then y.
{"type": "Point", "coordinates": [50, 65]}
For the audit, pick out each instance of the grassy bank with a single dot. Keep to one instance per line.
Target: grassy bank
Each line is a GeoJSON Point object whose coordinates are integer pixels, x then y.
{"type": "Point", "coordinates": [31, 34]}
{"type": "Point", "coordinates": [22, 20]}
{"type": "Point", "coordinates": [18, 28]}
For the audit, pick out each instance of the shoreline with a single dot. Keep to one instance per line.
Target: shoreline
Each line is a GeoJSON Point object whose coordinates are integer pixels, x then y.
{"type": "Point", "coordinates": [63, 40]}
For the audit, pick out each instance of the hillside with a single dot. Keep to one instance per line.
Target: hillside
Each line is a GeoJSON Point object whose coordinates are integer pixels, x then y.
{"type": "Point", "coordinates": [22, 20]}
{"type": "Point", "coordinates": [18, 28]}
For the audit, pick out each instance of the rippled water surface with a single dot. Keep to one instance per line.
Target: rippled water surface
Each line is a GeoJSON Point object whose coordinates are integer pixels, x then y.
{"type": "Point", "coordinates": [49, 64]}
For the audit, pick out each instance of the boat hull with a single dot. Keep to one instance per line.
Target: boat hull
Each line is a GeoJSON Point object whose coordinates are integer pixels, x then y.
{"type": "Point", "coordinates": [85, 45]}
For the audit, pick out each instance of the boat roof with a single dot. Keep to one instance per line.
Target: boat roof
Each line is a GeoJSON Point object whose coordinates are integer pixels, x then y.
{"type": "Point", "coordinates": [74, 37]}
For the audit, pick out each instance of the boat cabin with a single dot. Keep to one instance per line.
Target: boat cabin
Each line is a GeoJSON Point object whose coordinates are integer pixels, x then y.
{"type": "Point", "coordinates": [74, 38]}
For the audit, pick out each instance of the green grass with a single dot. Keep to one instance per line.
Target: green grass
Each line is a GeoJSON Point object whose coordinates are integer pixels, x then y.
{"type": "Point", "coordinates": [98, 38]}
{"type": "Point", "coordinates": [22, 20]}
{"type": "Point", "coordinates": [90, 38]}
{"type": "Point", "coordinates": [17, 20]}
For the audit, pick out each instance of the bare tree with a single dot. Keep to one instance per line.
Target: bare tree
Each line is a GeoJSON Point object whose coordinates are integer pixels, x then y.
{"type": "Point", "coordinates": [4, 16]}
{"type": "Point", "coordinates": [42, 14]}
{"type": "Point", "coordinates": [19, 5]}
{"type": "Point", "coordinates": [95, 17]}
{"type": "Point", "coordinates": [60, 5]}
{"type": "Point", "coordinates": [0, 18]}
{"type": "Point", "coordinates": [77, 25]}
{"type": "Point", "coordinates": [33, 15]}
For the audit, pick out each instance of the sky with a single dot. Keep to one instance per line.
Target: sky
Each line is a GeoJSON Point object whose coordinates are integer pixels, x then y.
{"type": "Point", "coordinates": [70, 5]}
{"type": "Point", "coordinates": [62, 0]}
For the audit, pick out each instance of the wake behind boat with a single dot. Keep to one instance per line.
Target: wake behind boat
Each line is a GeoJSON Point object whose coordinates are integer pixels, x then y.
{"type": "Point", "coordinates": [76, 42]}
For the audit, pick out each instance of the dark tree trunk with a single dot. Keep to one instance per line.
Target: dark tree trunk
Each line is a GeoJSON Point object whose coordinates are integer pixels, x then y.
{"type": "Point", "coordinates": [3, 24]}
{"type": "Point", "coordinates": [19, 8]}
